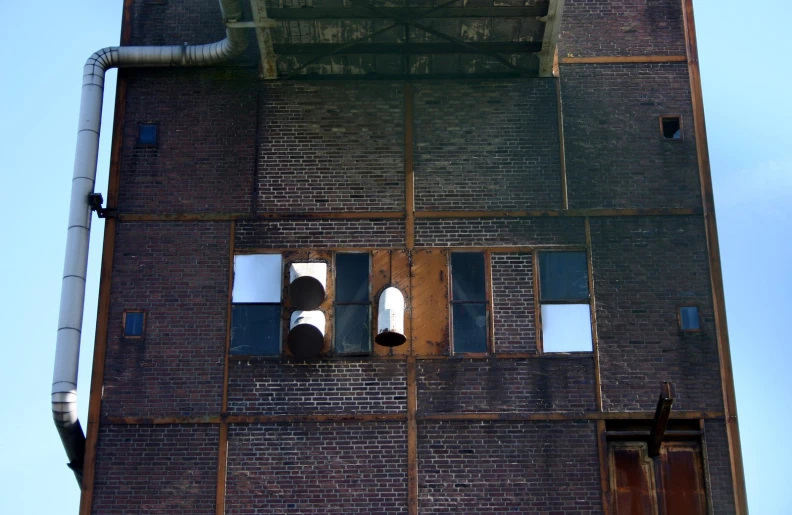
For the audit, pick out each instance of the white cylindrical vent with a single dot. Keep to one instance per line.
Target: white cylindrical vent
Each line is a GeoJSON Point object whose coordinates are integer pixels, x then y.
{"type": "Point", "coordinates": [306, 333]}
{"type": "Point", "coordinates": [307, 283]}
{"type": "Point", "coordinates": [390, 318]}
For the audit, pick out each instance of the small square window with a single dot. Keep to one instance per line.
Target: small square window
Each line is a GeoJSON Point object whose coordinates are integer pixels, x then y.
{"type": "Point", "coordinates": [134, 324]}
{"type": "Point", "coordinates": [147, 134]}
{"type": "Point", "coordinates": [689, 318]}
{"type": "Point", "coordinates": [563, 276]}
{"type": "Point", "coordinates": [566, 328]}
{"type": "Point", "coordinates": [671, 127]}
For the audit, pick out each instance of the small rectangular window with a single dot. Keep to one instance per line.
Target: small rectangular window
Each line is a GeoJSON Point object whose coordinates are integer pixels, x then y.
{"type": "Point", "coordinates": [147, 134]}
{"type": "Point", "coordinates": [469, 302]}
{"type": "Point", "coordinates": [688, 317]}
{"type": "Point", "coordinates": [134, 324]}
{"type": "Point", "coordinates": [565, 305]}
{"type": "Point", "coordinates": [671, 127]}
{"type": "Point", "coordinates": [353, 304]}
{"type": "Point", "coordinates": [256, 308]}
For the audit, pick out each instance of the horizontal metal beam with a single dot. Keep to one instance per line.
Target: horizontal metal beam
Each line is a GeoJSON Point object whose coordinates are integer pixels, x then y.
{"type": "Point", "coordinates": [409, 48]}
{"type": "Point", "coordinates": [362, 13]}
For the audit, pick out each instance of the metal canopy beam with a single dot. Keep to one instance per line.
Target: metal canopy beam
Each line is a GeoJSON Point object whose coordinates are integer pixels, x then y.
{"type": "Point", "coordinates": [660, 421]}
{"type": "Point", "coordinates": [552, 23]}
{"type": "Point", "coordinates": [269, 69]}
{"type": "Point", "coordinates": [398, 48]}
{"type": "Point", "coordinates": [363, 13]}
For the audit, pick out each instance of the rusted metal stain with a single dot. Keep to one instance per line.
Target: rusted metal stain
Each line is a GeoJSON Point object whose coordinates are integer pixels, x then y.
{"type": "Point", "coordinates": [429, 303]}
{"type": "Point", "coordinates": [682, 480]}
{"type": "Point", "coordinates": [632, 481]}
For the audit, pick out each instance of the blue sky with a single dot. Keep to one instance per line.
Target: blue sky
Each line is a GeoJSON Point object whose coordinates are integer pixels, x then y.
{"type": "Point", "coordinates": [743, 51]}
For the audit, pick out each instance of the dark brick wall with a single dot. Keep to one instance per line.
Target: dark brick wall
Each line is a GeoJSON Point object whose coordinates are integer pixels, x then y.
{"type": "Point", "coordinates": [337, 469]}
{"type": "Point", "coordinates": [486, 145]}
{"type": "Point", "coordinates": [509, 467]}
{"type": "Point", "coordinates": [311, 388]}
{"type": "Point", "coordinates": [331, 147]}
{"type": "Point", "coordinates": [206, 154]}
{"type": "Point", "coordinates": [513, 302]}
{"type": "Point", "coordinates": [178, 273]}
{"type": "Point", "coordinates": [156, 470]}
{"type": "Point", "coordinates": [643, 269]}
{"type": "Point", "coordinates": [527, 385]}
{"type": "Point", "coordinates": [616, 157]}
{"type": "Point", "coordinates": [482, 232]}
{"type": "Point", "coordinates": [719, 467]}
{"type": "Point", "coordinates": [320, 234]}
{"type": "Point", "coordinates": [621, 27]}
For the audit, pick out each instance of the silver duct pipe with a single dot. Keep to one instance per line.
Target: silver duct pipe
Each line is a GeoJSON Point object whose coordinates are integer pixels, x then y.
{"type": "Point", "coordinates": [67, 350]}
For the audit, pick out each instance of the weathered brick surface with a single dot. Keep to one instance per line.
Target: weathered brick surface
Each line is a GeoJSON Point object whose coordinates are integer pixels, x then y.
{"type": "Point", "coordinates": [320, 234]}
{"type": "Point", "coordinates": [719, 467]}
{"type": "Point", "coordinates": [643, 269]}
{"type": "Point", "coordinates": [513, 302]}
{"type": "Point", "coordinates": [480, 232]}
{"type": "Point", "coordinates": [486, 145]}
{"type": "Point", "coordinates": [164, 469]}
{"type": "Point", "coordinates": [206, 154]}
{"type": "Point", "coordinates": [506, 385]}
{"type": "Point", "coordinates": [325, 387]}
{"type": "Point", "coordinates": [178, 273]}
{"type": "Point", "coordinates": [331, 147]}
{"type": "Point", "coordinates": [621, 27]}
{"type": "Point", "coordinates": [328, 469]}
{"type": "Point", "coordinates": [508, 467]}
{"type": "Point", "coordinates": [616, 157]}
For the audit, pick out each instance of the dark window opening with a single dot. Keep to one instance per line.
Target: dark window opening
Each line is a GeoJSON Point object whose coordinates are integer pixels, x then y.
{"type": "Point", "coordinates": [134, 324]}
{"type": "Point", "coordinates": [671, 127]}
{"type": "Point", "coordinates": [564, 296]}
{"type": "Point", "coordinates": [147, 134]}
{"type": "Point", "coordinates": [689, 318]}
{"type": "Point", "coordinates": [469, 302]}
{"type": "Point", "coordinates": [353, 304]}
{"type": "Point", "coordinates": [256, 305]}
{"type": "Point", "coordinates": [563, 276]}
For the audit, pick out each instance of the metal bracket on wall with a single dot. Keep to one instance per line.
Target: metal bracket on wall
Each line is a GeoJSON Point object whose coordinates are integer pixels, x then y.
{"type": "Point", "coordinates": [660, 421]}
{"type": "Point", "coordinates": [95, 201]}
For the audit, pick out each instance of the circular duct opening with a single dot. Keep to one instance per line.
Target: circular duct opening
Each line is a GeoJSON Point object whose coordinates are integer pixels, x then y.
{"type": "Point", "coordinates": [306, 293]}
{"type": "Point", "coordinates": [390, 339]}
{"type": "Point", "coordinates": [305, 341]}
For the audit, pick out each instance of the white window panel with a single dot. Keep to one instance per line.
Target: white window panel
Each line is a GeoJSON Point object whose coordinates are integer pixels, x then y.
{"type": "Point", "coordinates": [566, 328]}
{"type": "Point", "coordinates": [257, 278]}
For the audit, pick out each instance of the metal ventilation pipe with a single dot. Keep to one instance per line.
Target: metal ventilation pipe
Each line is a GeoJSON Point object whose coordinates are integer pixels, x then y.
{"type": "Point", "coordinates": [306, 333]}
{"type": "Point", "coordinates": [307, 284]}
{"type": "Point", "coordinates": [67, 350]}
{"type": "Point", "coordinates": [390, 318]}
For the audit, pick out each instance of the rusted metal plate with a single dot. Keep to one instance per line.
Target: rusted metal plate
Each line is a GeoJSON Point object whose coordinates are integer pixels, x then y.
{"type": "Point", "coordinates": [682, 480]}
{"type": "Point", "coordinates": [633, 489]}
{"type": "Point", "coordinates": [429, 302]}
{"type": "Point", "coordinates": [390, 268]}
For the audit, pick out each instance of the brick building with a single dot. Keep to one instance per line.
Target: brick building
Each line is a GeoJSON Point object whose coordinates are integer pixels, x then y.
{"type": "Point", "coordinates": [531, 175]}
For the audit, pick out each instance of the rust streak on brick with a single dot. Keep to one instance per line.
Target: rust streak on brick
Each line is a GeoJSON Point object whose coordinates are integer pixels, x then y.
{"type": "Point", "coordinates": [105, 282]}
{"type": "Point", "coordinates": [412, 438]}
{"type": "Point", "coordinates": [593, 306]}
{"type": "Point", "coordinates": [716, 273]}
{"type": "Point", "coordinates": [409, 177]}
{"type": "Point", "coordinates": [625, 59]}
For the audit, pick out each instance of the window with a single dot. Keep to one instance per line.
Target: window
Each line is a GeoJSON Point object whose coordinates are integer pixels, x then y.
{"type": "Point", "coordinates": [353, 304]}
{"type": "Point", "coordinates": [671, 127]}
{"type": "Point", "coordinates": [256, 305]}
{"type": "Point", "coordinates": [564, 298]}
{"type": "Point", "coordinates": [147, 135]}
{"type": "Point", "coordinates": [688, 318]}
{"type": "Point", "coordinates": [468, 302]}
{"type": "Point", "coordinates": [134, 324]}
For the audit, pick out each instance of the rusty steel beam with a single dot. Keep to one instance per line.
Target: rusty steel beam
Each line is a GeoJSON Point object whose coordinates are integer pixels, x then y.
{"type": "Point", "coordinates": [262, 23]}
{"type": "Point", "coordinates": [624, 59]}
{"type": "Point", "coordinates": [560, 212]}
{"type": "Point", "coordinates": [222, 469]}
{"type": "Point", "coordinates": [660, 420]}
{"type": "Point", "coordinates": [550, 416]}
{"type": "Point", "coordinates": [552, 21]}
{"type": "Point", "coordinates": [593, 314]}
{"type": "Point", "coordinates": [604, 466]}
{"type": "Point", "coordinates": [716, 272]}
{"type": "Point", "coordinates": [561, 145]}
{"type": "Point", "coordinates": [412, 438]}
{"type": "Point", "coordinates": [222, 217]}
{"type": "Point", "coordinates": [363, 13]}
{"type": "Point", "coordinates": [326, 49]}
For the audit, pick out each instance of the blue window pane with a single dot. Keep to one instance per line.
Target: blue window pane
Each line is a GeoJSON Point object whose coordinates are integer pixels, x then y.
{"type": "Point", "coordinates": [352, 329]}
{"type": "Point", "coordinates": [147, 134]}
{"type": "Point", "coordinates": [256, 329]}
{"type": "Point", "coordinates": [563, 276]}
{"type": "Point", "coordinates": [689, 317]}
{"type": "Point", "coordinates": [133, 323]}
{"type": "Point", "coordinates": [352, 278]}
{"type": "Point", "coordinates": [470, 328]}
{"type": "Point", "coordinates": [467, 273]}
